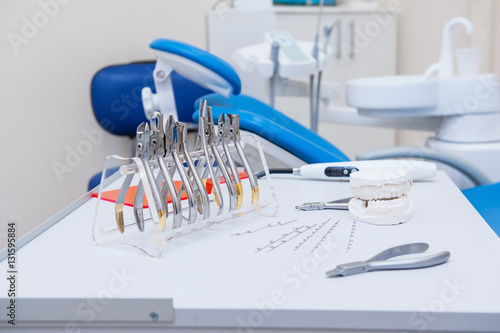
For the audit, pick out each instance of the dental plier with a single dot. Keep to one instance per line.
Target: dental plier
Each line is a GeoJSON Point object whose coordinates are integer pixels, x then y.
{"type": "Point", "coordinates": [205, 163]}
{"type": "Point", "coordinates": [341, 204]}
{"type": "Point", "coordinates": [222, 140]}
{"type": "Point", "coordinates": [203, 202]}
{"type": "Point", "coordinates": [233, 134]}
{"type": "Point", "coordinates": [120, 199]}
{"type": "Point", "coordinates": [221, 166]}
{"type": "Point", "coordinates": [380, 262]}
{"type": "Point", "coordinates": [142, 150]}
{"type": "Point", "coordinates": [158, 151]}
{"type": "Point", "coordinates": [174, 138]}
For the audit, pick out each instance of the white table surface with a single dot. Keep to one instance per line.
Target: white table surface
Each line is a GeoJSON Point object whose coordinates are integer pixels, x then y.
{"type": "Point", "coordinates": [218, 280]}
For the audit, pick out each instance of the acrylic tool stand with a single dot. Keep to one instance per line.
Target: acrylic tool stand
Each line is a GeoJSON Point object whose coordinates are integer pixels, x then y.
{"type": "Point", "coordinates": [153, 239]}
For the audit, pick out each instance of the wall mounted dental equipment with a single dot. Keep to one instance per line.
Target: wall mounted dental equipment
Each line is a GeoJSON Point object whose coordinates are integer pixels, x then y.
{"type": "Point", "coordinates": [314, 91]}
{"type": "Point", "coordinates": [380, 261]}
{"type": "Point", "coordinates": [281, 58]}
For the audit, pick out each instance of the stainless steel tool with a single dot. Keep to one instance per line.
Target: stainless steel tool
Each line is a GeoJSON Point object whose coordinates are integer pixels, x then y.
{"type": "Point", "coordinates": [221, 166]}
{"type": "Point", "coordinates": [233, 134]}
{"type": "Point", "coordinates": [341, 204]}
{"type": "Point", "coordinates": [157, 152]}
{"type": "Point", "coordinates": [222, 140]}
{"type": "Point", "coordinates": [381, 262]}
{"type": "Point", "coordinates": [174, 138]}
{"type": "Point", "coordinates": [142, 150]}
{"type": "Point", "coordinates": [120, 199]}
{"type": "Point", "coordinates": [202, 200]}
{"type": "Point", "coordinates": [206, 161]}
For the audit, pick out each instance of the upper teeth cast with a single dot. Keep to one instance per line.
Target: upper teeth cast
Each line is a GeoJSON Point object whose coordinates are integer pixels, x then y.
{"type": "Point", "coordinates": [380, 196]}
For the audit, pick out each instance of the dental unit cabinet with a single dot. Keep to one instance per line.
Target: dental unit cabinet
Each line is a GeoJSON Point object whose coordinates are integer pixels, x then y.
{"type": "Point", "coordinates": [463, 109]}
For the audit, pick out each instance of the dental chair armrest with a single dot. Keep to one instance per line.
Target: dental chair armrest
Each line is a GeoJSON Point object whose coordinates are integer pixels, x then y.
{"type": "Point", "coordinates": [474, 174]}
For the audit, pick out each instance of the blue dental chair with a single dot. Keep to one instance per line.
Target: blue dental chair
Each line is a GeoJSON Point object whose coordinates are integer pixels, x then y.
{"type": "Point", "coordinates": [117, 105]}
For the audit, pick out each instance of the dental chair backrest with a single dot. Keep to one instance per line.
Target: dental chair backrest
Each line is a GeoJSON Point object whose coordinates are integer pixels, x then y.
{"type": "Point", "coordinates": [116, 96]}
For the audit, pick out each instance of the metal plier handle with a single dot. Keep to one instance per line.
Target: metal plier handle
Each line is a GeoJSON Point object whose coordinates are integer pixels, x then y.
{"type": "Point", "coordinates": [143, 153]}
{"type": "Point", "coordinates": [173, 142]}
{"type": "Point", "coordinates": [221, 166]}
{"type": "Point", "coordinates": [380, 262]}
{"type": "Point", "coordinates": [158, 152]}
{"type": "Point", "coordinates": [223, 137]}
{"type": "Point", "coordinates": [233, 134]}
{"type": "Point", "coordinates": [203, 202]}
{"type": "Point", "coordinates": [206, 162]}
{"type": "Point", "coordinates": [341, 204]}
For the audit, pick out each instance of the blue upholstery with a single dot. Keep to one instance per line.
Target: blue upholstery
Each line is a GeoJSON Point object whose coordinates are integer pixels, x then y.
{"type": "Point", "coordinates": [116, 96]}
{"type": "Point", "coordinates": [261, 119]}
{"type": "Point", "coordinates": [213, 63]}
{"type": "Point", "coordinates": [486, 200]}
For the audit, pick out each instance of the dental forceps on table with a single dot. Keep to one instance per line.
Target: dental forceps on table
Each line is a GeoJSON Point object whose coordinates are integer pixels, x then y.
{"type": "Point", "coordinates": [203, 202]}
{"type": "Point", "coordinates": [143, 152]}
{"type": "Point", "coordinates": [120, 199]}
{"type": "Point", "coordinates": [140, 153]}
{"type": "Point", "coordinates": [341, 204]}
{"type": "Point", "coordinates": [221, 166]}
{"type": "Point", "coordinates": [204, 142]}
{"type": "Point", "coordinates": [174, 138]}
{"type": "Point", "coordinates": [380, 262]}
{"type": "Point", "coordinates": [233, 132]}
{"type": "Point", "coordinates": [205, 164]}
{"type": "Point", "coordinates": [158, 152]}
{"type": "Point", "coordinates": [222, 139]}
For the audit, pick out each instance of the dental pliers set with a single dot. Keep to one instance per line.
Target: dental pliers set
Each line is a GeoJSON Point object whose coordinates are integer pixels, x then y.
{"type": "Point", "coordinates": [182, 188]}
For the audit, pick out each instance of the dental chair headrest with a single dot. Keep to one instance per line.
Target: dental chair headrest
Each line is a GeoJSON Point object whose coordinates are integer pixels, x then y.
{"type": "Point", "coordinates": [199, 66]}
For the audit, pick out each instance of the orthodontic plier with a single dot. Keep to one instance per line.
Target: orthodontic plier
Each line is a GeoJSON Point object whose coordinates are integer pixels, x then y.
{"type": "Point", "coordinates": [173, 143]}
{"type": "Point", "coordinates": [233, 129]}
{"type": "Point", "coordinates": [221, 166]}
{"type": "Point", "coordinates": [341, 204]}
{"type": "Point", "coordinates": [142, 151]}
{"type": "Point", "coordinates": [203, 202]}
{"type": "Point", "coordinates": [380, 261]}
{"type": "Point", "coordinates": [120, 199]}
{"type": "Point", "coordinates": [205, 164]}
{"type": "Point", "coordinates": [222, 139]}
{"type": "Point", "coordinates": [157, 152]}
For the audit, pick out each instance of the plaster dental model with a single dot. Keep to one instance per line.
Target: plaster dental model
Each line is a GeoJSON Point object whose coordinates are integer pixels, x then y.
{"type": "Point", "coordinates": [380, 196]}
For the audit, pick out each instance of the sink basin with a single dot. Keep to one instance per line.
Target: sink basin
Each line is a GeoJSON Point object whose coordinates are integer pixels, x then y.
{"type": "Point", "coordinates": [401, 94]}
